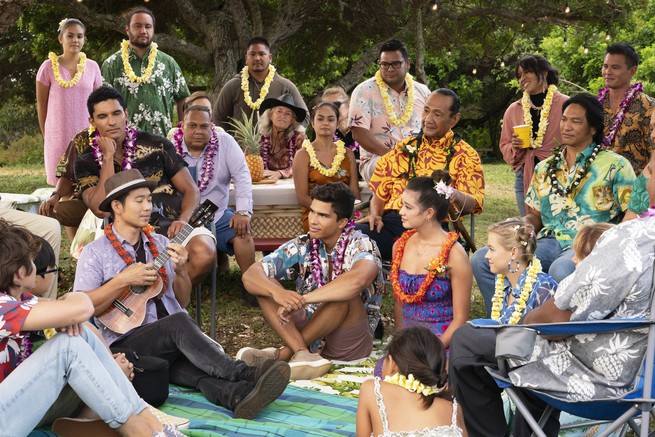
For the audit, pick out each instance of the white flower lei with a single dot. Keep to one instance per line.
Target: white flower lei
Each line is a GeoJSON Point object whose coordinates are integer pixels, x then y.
{"type": "Point", "coordinates": [536, 142]}
{"type": "Point", "coordinates": [78, 75]}
{"type": "Point", "coordinates": [125, 56]}
{"type": "Point", "coordinates": [336, 162]}
{"type": "Point", "coordinates": [245, 86]}
{"type": "Point", "coordinates": [499, 295]}
{"type": "Point", "coordinates": [384, 92]}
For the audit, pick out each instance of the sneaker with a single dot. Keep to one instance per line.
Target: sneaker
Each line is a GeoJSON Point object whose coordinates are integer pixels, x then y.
{"type": "Point", "coordinates": [255, 357]}
{"type": "Point", "coordinates": [306, 365]}
{"type": "Point", "coordinates": [267, 389]}
{"type": "Point", "coordinates": [167, 419]}
{"type": "Point", "coordinates": [77, 426]}
{"type": "Point", "coordinates": [168, 431]}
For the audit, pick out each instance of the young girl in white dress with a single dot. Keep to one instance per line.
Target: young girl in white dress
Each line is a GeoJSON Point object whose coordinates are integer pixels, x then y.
{"type": "Point", "coordinates": [413, 399]}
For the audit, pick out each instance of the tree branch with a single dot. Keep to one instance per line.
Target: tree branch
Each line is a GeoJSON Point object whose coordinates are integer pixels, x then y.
{"type": "Point", "coordinates": [193, 18]}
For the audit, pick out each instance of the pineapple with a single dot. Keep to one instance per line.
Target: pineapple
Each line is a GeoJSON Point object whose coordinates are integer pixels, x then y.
{"type": "Point", "coordinates": [559, 360]}
{"type": "Point", "coordinates": [610, 363]}
{"type": "Point", "coordinates": [246, 135]}
{"type": "Point", "coordinates": [580, 388]}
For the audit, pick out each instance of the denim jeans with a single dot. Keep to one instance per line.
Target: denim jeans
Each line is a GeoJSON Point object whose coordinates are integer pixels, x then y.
{"type": "Point", "coordinates": [557, 262]}
{"type": "Point", "coordinates": [194, 359]}
{"type": "Point", "coordinates": [85, 364]}
{"type": "Point", "coordinates": [520, 194]}
{"type": "Point", "coordinates": [392, 229]}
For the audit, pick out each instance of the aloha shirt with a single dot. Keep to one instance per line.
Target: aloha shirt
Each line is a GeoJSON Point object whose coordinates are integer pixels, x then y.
{"type": "Point", "coordinates": [543, 289]}
{"type": "Point", "coordinates": [13, 347]}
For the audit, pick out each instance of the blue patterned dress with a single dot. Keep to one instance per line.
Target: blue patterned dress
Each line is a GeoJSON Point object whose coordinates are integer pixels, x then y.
{"type": "Point", "coordinates": [435, 312]}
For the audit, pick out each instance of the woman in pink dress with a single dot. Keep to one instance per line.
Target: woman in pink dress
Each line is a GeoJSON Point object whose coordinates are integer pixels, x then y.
{"type": "Point", "coordinates": [63, 84]}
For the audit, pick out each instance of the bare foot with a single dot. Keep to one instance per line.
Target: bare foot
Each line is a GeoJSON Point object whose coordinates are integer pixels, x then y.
{"type": "Point", "coordinates": [125, 365]}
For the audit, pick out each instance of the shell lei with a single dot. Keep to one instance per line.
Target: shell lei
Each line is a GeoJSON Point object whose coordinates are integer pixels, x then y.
{"type": "Point", "coordinates": [245, 87]}
{"type": "Point", "coordinates": [499, 294]}
{"type": "Point", "coordinates": [336, 162]}
{"type": "Point", "coordinates": [342, 244]}
{"type": "Point", "coordinates": [128, 146]}
{"type": "Point", "coordinates": [207, 172]}
{"type": "Point", "coordinates": [537, 142]}
{"type": "Point", "coordinates": [436, 266]}
{"type": "Point", "coordinates": [78, 75]}
{"type": "Point", "coordinates": [635, 89]}
{"type": "Point", "coordinates": [125, 56]}
{"type": "Point", "coordinates": [412, 384]}
{"type": "Point", "coordinates": [388, 108]}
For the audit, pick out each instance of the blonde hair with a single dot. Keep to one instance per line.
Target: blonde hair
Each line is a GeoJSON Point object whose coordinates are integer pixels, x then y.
{"type": "Point", "coordinates": [514, 232]}
{"type": "Point", "coordinates": [586, 238]}
{"type": "Point", "coordinates": [336, 90]}
{"type": "Point", "coordinates": [265, 127]}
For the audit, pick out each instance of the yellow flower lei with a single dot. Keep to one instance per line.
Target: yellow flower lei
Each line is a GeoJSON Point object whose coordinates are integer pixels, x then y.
{"type": "Point", "coordinates": [336, 162]}
{"type": "Point", "coordinates": [245, 86]}
{"type": "Point", "coordinates": [128, 68]}
{"type": "Point", "coordinates": [535, 143]}
{"type": "Point", "coordinates": [412, 384]}
{"type": "Point", "coordinates": [55, 69]}
{"type": "Point", "coordinates": [384, 92]}
{"type": "Point", "coordinates": [499, 295]}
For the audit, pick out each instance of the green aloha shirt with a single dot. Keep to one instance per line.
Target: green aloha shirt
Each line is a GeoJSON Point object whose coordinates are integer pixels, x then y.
{"type": "Point", "coordinates": [639, 200]}
{"type": "Point", "coordinates": [603, 193]}
{"type": "Point", "coordinates": [148, 104]}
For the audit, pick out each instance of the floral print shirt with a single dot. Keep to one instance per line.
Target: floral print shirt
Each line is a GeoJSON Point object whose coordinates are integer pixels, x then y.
{"type": "Point", "coordinates": [614, 281]}
{"type": "Point", "coordinates": [148, 104]}
{"type": "Point", "coordinates": [543, 289]}
{"type": "Point", "coordinates": [603, 193]}
{"type": "Point", "coordinates": [13, 313]}
{"type": "Point", "coordinates": [639, 199]}
{"type": "Point", "coordinates": [392, 170]}
{"type": "Point", "coordinates": [632, 139]}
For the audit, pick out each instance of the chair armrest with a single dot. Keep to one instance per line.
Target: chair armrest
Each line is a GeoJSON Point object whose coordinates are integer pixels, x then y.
{"type": "Point", "coordinates": [571, 328]}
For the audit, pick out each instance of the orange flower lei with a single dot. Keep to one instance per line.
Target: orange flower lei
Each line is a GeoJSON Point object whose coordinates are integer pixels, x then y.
{"type": "Point", "coordinates": [436, 266]}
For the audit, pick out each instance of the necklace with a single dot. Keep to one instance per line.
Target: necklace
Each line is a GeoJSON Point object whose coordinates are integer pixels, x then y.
{"type": "Point", "coordinates": [412, 384]}
{"type": "Point", "coordinates": [436, 266]}
{"type": "Point", "coordinates": [262, 93]}
{"type": "Point", "coordinates": [580, 174]}
{"type": "Point", "coordinates": [384, 92]}
{"type": "Point", "coordinates": [336, 162]}
{"type": "Point", "coordinates": [537, 142]}
{"type": "Point", "coordinates": [145, 77]}
{"type": "Point", "coordinates": [342, 244]}
{"type": "Point", "coordinates": [519, 304]}
{"type": "Point", "coordinates": [267, 146]}
{"type": "Point", "coordinates": [128, 146]}
{"type": "Point", "coordinates": [635, 89]}
{"type": "Point", "coordinates": [207, 172]}
{"type": "Point", "coordinates": [111, 236]}
{"type": "Point", "coordinates": [54, 60]}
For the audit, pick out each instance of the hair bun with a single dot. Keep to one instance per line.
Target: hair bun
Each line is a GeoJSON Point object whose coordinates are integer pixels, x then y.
{"type": "Point", "coordinates": [441, 175]}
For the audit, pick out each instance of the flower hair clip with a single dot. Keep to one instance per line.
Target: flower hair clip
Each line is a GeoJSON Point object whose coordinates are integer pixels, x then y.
{"type": "Point", "coordinates": [445, 190]}
{"type": "Point", "coordinates": [61, 24]}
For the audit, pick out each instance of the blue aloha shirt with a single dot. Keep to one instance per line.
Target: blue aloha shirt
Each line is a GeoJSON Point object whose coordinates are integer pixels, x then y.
{"type": "Point", "coordinates": [603, 193]}
{"type": "Point", "coordinates": [543, 289]}
{"type": "Point", "coordinates": [292, 261]}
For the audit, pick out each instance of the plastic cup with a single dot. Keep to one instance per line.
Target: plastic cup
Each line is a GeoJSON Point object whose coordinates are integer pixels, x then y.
{"type": "Point", "coordinates": [524, 132]}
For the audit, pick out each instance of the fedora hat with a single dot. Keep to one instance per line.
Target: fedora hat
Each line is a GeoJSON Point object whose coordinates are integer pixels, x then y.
{"type": "Point", "coordinates": [285, 99]}
{"type": "Point", "coordinates": [121, 183]}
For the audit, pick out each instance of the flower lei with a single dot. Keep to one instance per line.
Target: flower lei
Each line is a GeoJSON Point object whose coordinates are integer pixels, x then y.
{"type": "Point", "coordinates": [551, 168]}
{"type": "Point", "coordinates": [635, 88]}
{"type": "Point", "coordinates": [128, 146]}
{"type": "Point", "coordinates": [207, 172]}
{"type": "Point", "coordinates": [336, 162]}
{"type": "Point", "coordinates": [354, 146]}
{"type": "Point", "coordinates": [55, 69]}
{"type": "Point", "coordinates": [436, 266]}
{"type": "Point", "coordinates": [145, 77]}
{"type": "Point", "coordinates": [384, 92]}
{"type": "Point", "coordinates": [111, 236]}
{"type": "Point", "coordinates": [499, 294]}
{"type": "Point", "coordinates": [650, 212]}
{"type": "Point", "coordinates": [537, 142]}
{"type": "Point", "coordinates": [337, 265]}
{"type": "Point", "coordinates": [266, 147]}
{"type": "Point", "coordinates": [245, 86]}
{"type": "Point", "coordinates": [412, 384]}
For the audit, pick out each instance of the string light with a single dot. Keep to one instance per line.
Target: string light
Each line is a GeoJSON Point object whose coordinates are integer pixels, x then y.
{"type": "Point", "coordinates": [435, 5]}
{"type": "Point", "coordinates": [608, 36]}
{"type": "Point", "coordinates": [568, 7]}
{"type": "Point", "coordinates": [566, 40]}
{"type": "Point", "coordinates": [502, 64]}
{"type": "Point", "coordinates": [475, 71]}
{"type": "Point", "coordinates": [585, 50]}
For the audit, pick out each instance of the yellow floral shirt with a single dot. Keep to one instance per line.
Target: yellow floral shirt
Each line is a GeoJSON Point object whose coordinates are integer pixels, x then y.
{"type": "Point", "coordinates": [390, 177]}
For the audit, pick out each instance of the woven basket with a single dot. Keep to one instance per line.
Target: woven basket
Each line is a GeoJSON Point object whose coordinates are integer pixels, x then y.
{"type": "Point", "coordinates": [277, 222]}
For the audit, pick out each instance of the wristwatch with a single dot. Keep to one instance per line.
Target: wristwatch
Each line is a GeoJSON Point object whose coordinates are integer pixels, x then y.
{"type": "Point", "coordinates": [245, 213]}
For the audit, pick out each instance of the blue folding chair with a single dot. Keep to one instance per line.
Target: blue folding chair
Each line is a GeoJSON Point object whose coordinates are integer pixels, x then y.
{"type": "Point", "coordinates": [618, 414]}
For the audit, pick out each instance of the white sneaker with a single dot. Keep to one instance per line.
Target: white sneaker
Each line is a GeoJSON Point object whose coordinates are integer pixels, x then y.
{"type": "Point", "coordinates": [306, 365]}
{"type": "Point", "coordinates": [167, 419]}
{"type": "Point", "coordinates": [254, 357]}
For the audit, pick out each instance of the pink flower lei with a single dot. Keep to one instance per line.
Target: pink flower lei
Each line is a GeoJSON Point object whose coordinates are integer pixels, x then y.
{"type": "Point", "coordinates": [635, 88]}
{"type": "Point", "coordinates": [128, 146]}
{"type": "Point", "coordinates": [337, 265]}
{"type": "Point", "coordinates": [207, 172]}
{"type": "Point", "coordinates": [265, 149]}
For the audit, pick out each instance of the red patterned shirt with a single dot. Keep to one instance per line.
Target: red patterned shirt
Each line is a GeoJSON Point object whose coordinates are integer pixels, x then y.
{"type": "Point", "coordinates": [13, 313]}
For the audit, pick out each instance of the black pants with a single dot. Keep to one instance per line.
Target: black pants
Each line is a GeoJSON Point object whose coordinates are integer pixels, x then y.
{"type": "Point", "coordinates": [393, 228]}
{"type": "Point", "coordinates": [194, 359]}
{"type": "Point", "coordinates": [471, 350]}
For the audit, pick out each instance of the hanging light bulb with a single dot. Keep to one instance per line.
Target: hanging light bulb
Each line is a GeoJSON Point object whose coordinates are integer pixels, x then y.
{"type": "Point", "coordinates": [566, 41]}
{"type": "Point", "coordinates": [585, 50]}
{"type": "Point", "coordinates": [522, 25]}
{"type": "Point", "coordinates": [568, 7]}
{"type": "Point", "coordinates": [475, 71]}
{"type": "Point", "coordinates": [608, 36]}
{"type": "Point", "coordinates": [502, 64]}
{"type": "Point", "coordinates": [435, 5]}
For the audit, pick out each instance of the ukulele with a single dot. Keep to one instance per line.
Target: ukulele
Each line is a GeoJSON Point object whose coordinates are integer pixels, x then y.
{"type": "Point", "coordinates": [128, 310]}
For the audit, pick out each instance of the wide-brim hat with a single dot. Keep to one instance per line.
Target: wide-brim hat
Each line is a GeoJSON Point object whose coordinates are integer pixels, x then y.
{"type": "Point", "coordinates": [284, 100]}
{"type": "Point", "coordinates": [121, 183]}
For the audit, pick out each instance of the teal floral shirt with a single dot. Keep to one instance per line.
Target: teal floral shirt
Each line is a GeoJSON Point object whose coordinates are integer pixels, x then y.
{"type": "Point", "coordinates": [639, 200]}
{"type": "Point", "coordinates": [149, 104]}
{"type": "Point", "coordinates": [602, 195]}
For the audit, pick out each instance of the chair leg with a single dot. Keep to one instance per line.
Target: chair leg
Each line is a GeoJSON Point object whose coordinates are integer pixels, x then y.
{"type": "Point", "coordinates": [536, 429]}
{"type": "Point", "coordinates": [213, 301]}
{"type": "Point", "coordinates": [198, 291]}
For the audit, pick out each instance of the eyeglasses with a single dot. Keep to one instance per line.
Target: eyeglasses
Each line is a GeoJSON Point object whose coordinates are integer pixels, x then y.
{"type": "Point", "coordinates": [394, 65]}
{"type": "Point", "coordinates": [53, 270]}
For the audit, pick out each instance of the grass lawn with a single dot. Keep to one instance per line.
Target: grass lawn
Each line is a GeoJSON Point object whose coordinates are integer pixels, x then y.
{"type": "Point", "coordinates": [239, 325]}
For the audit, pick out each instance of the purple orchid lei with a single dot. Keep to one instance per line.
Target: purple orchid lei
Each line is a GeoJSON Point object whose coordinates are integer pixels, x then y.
{"type": "Point", "coordinates": [26, 348]}
{"type": "Point", "coordinates": [128, 146]}
{"type": "Point", "coordinates": [635, 88]}
{"type": "Point", "coordinates": [650, 212]}
{"type": "Point", "coordinates": [207, 172]}
{"type": "Point", "coordinates": [266, 147]}
{"type": "Point", "coordinates": [337, 266]}
{"type": "Point", "coordinates": [354, 146]}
